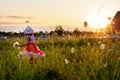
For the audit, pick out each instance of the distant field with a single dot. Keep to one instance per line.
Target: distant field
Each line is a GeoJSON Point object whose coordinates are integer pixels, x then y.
{"type": "Point", "coordinates": [74, 59]}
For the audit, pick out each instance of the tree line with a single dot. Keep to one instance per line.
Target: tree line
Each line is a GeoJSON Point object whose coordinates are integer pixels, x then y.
{"type": "Point", "coordinates": [59, 31]}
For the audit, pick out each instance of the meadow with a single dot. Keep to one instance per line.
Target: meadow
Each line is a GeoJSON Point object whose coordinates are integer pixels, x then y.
{"type": "Point", "coordinates": [71, 59]}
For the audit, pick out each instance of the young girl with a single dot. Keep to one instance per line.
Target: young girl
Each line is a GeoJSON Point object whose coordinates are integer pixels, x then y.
{"type": "Point", "coordinates": [31, 48]}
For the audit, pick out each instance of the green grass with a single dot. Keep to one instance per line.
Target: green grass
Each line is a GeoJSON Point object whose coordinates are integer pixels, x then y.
{"type": "Point", "coordinates": [87, 63]}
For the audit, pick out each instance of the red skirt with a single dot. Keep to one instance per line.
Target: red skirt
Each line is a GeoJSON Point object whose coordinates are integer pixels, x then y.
{"type": "Point", "coordinates": [32, 47]}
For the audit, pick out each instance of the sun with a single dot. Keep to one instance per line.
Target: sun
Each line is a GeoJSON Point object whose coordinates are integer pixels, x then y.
{"type": "Point", "coordinates": [100, 20]}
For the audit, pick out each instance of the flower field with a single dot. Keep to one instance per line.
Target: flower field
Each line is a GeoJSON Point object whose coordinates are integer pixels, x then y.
{"type": "Point", "coordinates": [73, 59]}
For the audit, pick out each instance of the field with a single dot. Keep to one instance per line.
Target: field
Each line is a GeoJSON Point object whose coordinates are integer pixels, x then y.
{"type": "Point", "coordinates": [74, 59]}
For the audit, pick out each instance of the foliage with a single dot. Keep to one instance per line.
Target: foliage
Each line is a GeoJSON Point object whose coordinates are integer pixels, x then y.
{"type": "Point", "coordinates": [76, 32]}
{"type": "Point", "coordinates": [85, 24]}
{"type": "Point", "coordinates": [88, 62]}
{"type": "Point", "coordinates": [59, 30]}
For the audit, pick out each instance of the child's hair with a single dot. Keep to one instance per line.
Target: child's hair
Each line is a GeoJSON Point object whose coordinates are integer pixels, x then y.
{"type": "Point", "coordinates": [30, 34]}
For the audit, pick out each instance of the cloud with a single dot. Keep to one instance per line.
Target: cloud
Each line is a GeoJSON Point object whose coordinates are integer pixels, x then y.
{"type": "Point", "coordinates": [1, 16]}
{"type": "Point", "coordinates": [19, 17]}
{"type": "Point", "coordinates": [16, 17]}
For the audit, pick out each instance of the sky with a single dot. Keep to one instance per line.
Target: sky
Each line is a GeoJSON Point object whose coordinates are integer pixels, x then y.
{"type": "Point", "coordinates": [58, 12]}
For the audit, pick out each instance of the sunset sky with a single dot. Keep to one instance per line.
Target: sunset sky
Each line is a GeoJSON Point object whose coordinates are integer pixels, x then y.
{"type": "Point", "coordinates": [58, 12]}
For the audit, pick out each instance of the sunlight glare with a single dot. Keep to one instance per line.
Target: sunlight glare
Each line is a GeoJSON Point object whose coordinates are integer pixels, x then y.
{"type": "Point", "coordinates": [100, 20]}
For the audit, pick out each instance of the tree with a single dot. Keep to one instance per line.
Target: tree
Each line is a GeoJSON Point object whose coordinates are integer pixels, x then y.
{"type": "Point", "coordinates": [76, 32]}
{"type": "Point", "coordinates": [85, 24]}
{"type": "Point", "coordinates": [108, 28]}
{"type": "Point", "coordinates": [41, 32]}
{"type": "Point", "coordinates": [59, 30]}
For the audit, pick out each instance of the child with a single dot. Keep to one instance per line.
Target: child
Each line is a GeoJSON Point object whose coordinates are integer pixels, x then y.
{"type": "Point", "coordinates": [31, 48]}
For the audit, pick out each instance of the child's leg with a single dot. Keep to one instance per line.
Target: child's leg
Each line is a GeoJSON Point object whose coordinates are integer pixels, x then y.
{"type": "Point", "coordinates": [31, 56]}
{"type": "Point", "coordinates": [20, 55]}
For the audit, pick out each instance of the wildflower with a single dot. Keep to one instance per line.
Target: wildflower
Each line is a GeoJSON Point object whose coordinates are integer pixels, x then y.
{"type": "Point", "coordinates": [100, 66]}
{"type": "Point", "coordinates": [99, 42]}
{"type": "Point", "coordinates": [66, 61]}
{"type": "Point", "coordinates": [69, 37]}
{"type": "Point", "coordinates": [15, 45]}
{"type": "Point", "coordinates": [5, 37]}
{"type": "Point", "coordinates": [102, 46]}
{"type": "Point", "coordinates": [104, 65]}
{"type": "Point", "coordinates": [72, 50]}
{"type": "Point", "coordinates": [88, 43]}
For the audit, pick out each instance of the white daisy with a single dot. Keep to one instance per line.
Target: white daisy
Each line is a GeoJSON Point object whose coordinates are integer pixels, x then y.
{"type": "Point", "coordinates": [99, 42]}
{"type": "Point", "coordinates": [72, 50]}
{"type": "Point", "coordinates": [15, 45]}
{"type": "Point", "coordinates": [66, 61]}
{"type": "Point", "coordinates": [102, 46]}
{"type": "Point", "coordinates": [88, 43]}
{"type": "Point", "coordinates": [104, 65]}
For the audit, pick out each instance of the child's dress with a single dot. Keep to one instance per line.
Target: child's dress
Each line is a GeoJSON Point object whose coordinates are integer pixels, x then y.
{"type": "Point", "coordinates": [32, 48]}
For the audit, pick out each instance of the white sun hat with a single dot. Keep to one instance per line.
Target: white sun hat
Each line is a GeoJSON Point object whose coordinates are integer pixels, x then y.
{"type": "Point", "coordinates": [28, 30]}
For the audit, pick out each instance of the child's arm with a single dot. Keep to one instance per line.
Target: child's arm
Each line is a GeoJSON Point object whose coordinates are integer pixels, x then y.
{"type": "Point", "coordinates": [28, 40]}
{"type": "Point", "coordinates": [22, 45]}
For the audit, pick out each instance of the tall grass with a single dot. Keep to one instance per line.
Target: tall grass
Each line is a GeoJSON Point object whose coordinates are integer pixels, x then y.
{"type": "Point", "coordinates": [88, 62]}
